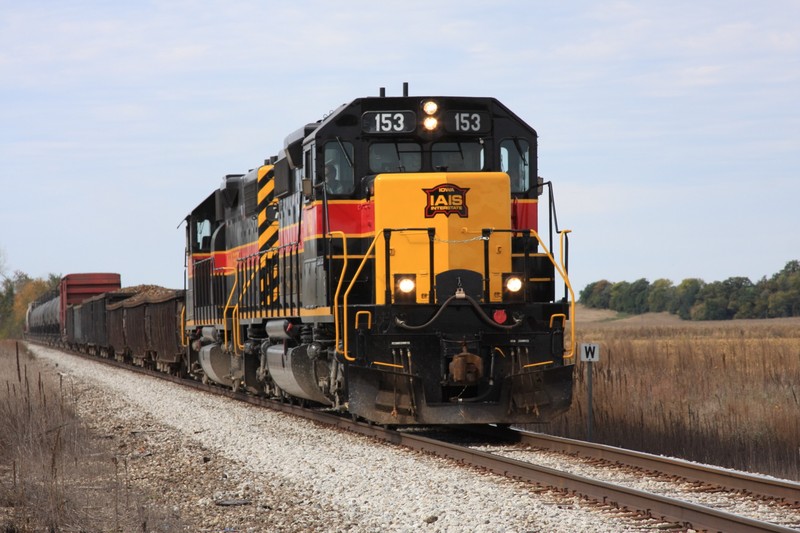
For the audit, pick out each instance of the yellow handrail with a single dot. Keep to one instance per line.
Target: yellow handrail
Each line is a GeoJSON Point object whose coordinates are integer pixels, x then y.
{"type": "Point", "coordinates": [338, 289]}
{"type": "Point", "coordinates": [246, 287]}
{"type": "Point", "coordinates": [184, 339]}
{"type": "Point", "coordinates": [228, 306]}
{"type": "Point", "coordinates": [562, 271]}
{"type": "Point", "coordinates": [563, 234]}
{"type": "Point", "coordinates": [369, 318]}
{"type": "Point", "coordinates": [347, 293]}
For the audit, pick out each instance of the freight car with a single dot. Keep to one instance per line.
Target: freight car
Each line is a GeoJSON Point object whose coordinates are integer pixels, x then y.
{"type": "Point", "coordinates": [46, 318]}
{"type": "Point", "coordinates": [89, 313]}
{"type": "Point", "coordinates": [388, 262]}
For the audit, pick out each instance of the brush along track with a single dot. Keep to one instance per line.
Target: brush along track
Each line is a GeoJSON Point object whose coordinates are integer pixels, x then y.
{"type": "Point", "coordinates": [679, 513]}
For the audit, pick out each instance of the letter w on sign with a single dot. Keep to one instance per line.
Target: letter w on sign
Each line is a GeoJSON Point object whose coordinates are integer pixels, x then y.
{"type": "Point", "coordinates": [590, 353]}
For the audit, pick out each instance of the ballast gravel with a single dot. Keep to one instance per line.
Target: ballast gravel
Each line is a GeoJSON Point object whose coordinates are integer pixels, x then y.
{"type": "Point", "coordinates": [220, 465]}
{"type": "Point", "coordinates": [765, 510]}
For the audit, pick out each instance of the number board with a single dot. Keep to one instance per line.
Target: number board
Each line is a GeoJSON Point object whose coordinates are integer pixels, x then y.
{"type": "Point", "coordinates": [388, 121]}
{"type": "Point", "coordinates": [467, 122]}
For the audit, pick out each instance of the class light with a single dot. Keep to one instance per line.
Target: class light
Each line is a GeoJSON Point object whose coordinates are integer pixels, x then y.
{"type": "Point", "coordinates": [406, 285]}
{"type": "Point", "coordinates": [430, 123]}
{"type": "Point", "coordinates": [513, 284]}
{"type": "Point", "coordinates": [430, 107]}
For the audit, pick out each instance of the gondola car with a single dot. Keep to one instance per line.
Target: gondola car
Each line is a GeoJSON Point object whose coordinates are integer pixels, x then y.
{"type": "Point", "coordinates": [388, 262]}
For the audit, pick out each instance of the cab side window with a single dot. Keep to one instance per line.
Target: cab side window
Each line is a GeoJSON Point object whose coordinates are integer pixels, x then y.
{"type": "Point", "coordinates": [202, 236]}
{"type": "Point", "coordinates": [516, 162]}
{"type": "Point", "coordinates": [338, 171]}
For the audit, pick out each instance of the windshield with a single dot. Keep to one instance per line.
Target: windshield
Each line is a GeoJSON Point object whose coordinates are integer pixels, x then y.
{"type": "Point", "coordinates": [457, 157]}
{"type": "Point", "coordinates": [395, 157]}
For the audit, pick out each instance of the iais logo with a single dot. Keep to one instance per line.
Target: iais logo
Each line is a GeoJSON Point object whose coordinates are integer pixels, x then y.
{"type": "Point", "coordinates": [446, 199]}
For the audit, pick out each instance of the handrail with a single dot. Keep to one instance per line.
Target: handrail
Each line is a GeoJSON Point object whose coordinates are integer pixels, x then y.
{"type": "Point", "coordinates": [184, 339]}
{"type": "Point", "coordinates": [234, 326]}
{"type": "Point", "coordinates": [338, 289]}
{"type": "Point", "coordinates": [352, 284]}
{"type": "Point", "coordinates": [245, 287]}
{"type": "Point", "coordinates": [562, 272]}
{"type": "Point", "coordinates": [347, 293]}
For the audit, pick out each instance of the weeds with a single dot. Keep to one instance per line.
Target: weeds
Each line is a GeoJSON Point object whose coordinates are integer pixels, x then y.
{"type": "Point", "coordinates": [55, 476]}
{"type": "Point", "coordinates": [721, 393]}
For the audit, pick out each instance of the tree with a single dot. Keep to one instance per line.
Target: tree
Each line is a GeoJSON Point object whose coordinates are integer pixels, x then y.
{"type": "Point", "coordinates": [660, 296]}
{"type": "Point", "coordinates": [6, 306]}
{"type": "Point", "coordinates": [742, 295]}
{"type": "Point", "coordinates": [597, 294]}
{"type": "Point", "coordinates": [711, 303]}
{"type": "Point", "coordinates": [685, 297]}
{"type": "Point", "coordinates": [619, 296]}
{"type": "Point", "coordinates": [630, 297]}
{"type": "Point", "coordinates": [18, 291]}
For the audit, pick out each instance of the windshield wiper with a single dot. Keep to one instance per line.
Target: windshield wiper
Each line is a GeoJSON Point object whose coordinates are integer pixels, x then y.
{"type": "Point", "coordinates": [346, 155]}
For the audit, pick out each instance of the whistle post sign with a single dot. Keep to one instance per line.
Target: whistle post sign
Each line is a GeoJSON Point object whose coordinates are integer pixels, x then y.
{"type": "Point", "coordinates": [590, 353]}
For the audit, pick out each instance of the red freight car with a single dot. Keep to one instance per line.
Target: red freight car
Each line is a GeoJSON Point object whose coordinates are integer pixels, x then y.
{"type": "Point", "coordinates": [75, 288]}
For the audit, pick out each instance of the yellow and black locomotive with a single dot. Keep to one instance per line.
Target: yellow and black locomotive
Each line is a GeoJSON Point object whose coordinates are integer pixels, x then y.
{"type": "Point", "coordinates": [388, 262]}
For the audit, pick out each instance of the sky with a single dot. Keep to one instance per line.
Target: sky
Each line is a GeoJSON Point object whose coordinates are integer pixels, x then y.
{"type": "Point", "coordinates": [670, 130]}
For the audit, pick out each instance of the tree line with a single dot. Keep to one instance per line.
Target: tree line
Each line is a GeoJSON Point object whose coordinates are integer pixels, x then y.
{"type": "Point", "coordinates": [694, 299]}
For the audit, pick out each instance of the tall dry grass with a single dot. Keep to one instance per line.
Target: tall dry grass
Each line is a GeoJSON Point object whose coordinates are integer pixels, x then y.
{"type": "Point", "coordinates": [721, 393]}
{"type": "Point", "coordinates": [56, 476]}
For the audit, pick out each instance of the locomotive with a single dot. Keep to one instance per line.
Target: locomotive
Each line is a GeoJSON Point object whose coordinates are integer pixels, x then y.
{"type": "Point", "coordinates": [387, 263]}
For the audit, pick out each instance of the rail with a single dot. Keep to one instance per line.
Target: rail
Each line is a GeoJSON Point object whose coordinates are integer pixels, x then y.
{"type": "Point", "coordinates": [788, 491]}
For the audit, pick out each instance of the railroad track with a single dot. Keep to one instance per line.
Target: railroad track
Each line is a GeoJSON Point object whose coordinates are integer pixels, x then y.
{"type": "Point", "coordinates": [674, 512]}
{"type": "Point", "coordinates": [759, 486]}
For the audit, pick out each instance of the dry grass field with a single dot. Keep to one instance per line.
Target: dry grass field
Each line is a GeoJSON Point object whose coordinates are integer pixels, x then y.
{"type": "Point", "coordinates": [54, 474]}
{"type": "Point", "coordinates": [726, 393]}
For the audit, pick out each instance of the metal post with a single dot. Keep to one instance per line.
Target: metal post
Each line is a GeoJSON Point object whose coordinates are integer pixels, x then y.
{"type": "Point", "coordinates": [590, 415]}
{"type": "Point", "coordinates": [590, 353]}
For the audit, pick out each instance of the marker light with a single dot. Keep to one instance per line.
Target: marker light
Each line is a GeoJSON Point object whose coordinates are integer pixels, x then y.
{"type": "Point", "coordinates": [513, 284]}
{"type": "Point", "coordinates": [430, 107]}
{"type": "Point", "coordinates": [406, 285]}
{"type": "Point", "coordinates": [430, 123]}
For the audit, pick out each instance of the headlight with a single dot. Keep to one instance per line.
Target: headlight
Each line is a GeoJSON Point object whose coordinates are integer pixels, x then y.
{"type": "Point", "coordinates": [513, 284]}
{"type": "Point", "coordinates": [406, 285]}
{"type": "Point", "coordinates": [430, 107]}
{"type": "Point", "coordinates": [430, 123]}
{"type": "Point", "coordinates": [405, 288]}
{"type": "Point", "coordinates": [513, 287]}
